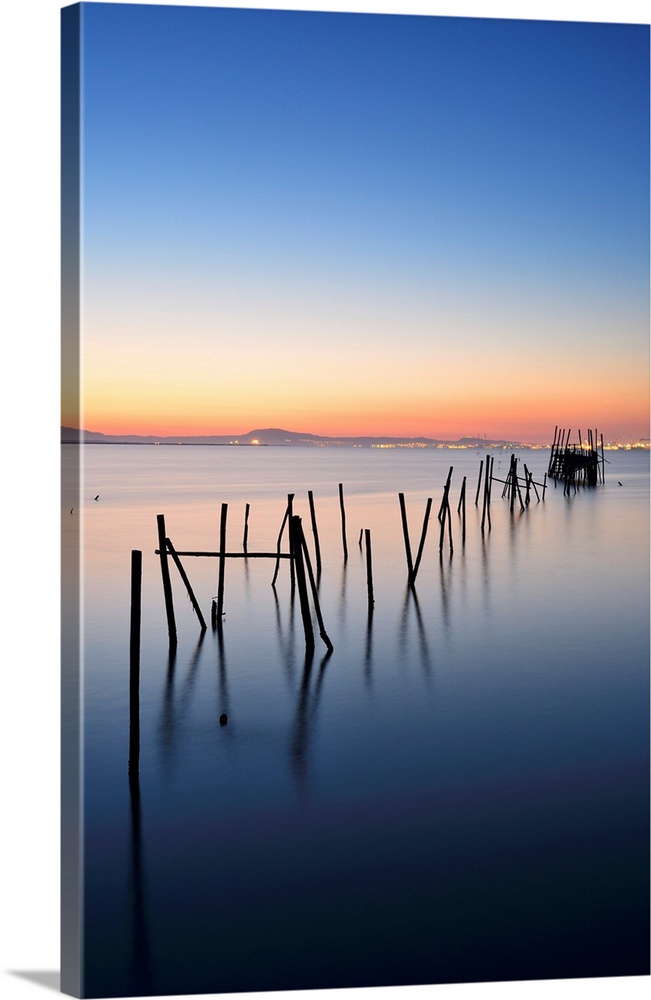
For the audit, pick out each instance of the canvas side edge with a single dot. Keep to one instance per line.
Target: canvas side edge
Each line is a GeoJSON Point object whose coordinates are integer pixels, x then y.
{"type": "Point", "coordinates": [71, 682]}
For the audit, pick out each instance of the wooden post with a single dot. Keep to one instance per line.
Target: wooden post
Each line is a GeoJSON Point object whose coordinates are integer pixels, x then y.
{"type": "Point", "coordinates": [552, 450]}
{"type": "Point", "coordinates": [287, 515]}
{"type": "Point", "coordinates": [222, 564]}
{"type": "Point", "coordinates": [246, 527]}
{"type": "Point", "coordinates": [297, 554]}
{"type": "Point", "coordinates": [462, 505]}
{"type": "Point", "coordinates": [531, 480]}
{"type": "Point", "coordinates": [514, 479]}
{"type": "Point", "coordinates": [444, 514]}
{"type": "Point", "coordinates": [167, 585]}
{"type": "Point", "coordinates": [544, 485]}
{"type": "Point", "coordinates": [490, 490]}
{"type": "Point", "coordinates": [315, 592]}
{"type": "Point", "coordinates": [603, 461]}
{"type": "Point", "coordinates": [481, 466]}
{"type": "Point", "coordinates": [405, 532]}
{"type": "Point", "coordinates": [446, 491]}
{"type": "Point", "coordinates": [188, 587]}
{"type": "Point", "coordinates": [517, 485]}
{"type": "Point", "coordinates": [369, 569]}
{"type": "Point", "coordinates": [317, 547]}
{"type": "Point", "coordinates": [136, 607]}
{"type": "Point", "coordinates": [134, 662]}
{"type": "Point", "coordinates": [449, 516]}
{"type": "Point", "coordinates": [421, 544]}
{"type": "Point", "coordinates": [343, 521]}
{"type": "Point", "coordinates": [485, 497]}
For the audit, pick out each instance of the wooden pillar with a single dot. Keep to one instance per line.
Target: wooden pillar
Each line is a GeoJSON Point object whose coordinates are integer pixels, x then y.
{"type": "Point", "coordinates": [167, 585]}
{"type": "Point", "coordinates": [481, 466]}
{"type": "Point", "coordinates": [405, 532]}
{"type": "Point", "coordinates": [222, 564]}
{"type": "Point", "coordinates": [315, 592]}
{"type": "Point", "coordinates": [134, 662]}
{"type": "Point", "coordinates": [421, 544]}
{"type": "Point", "coordinates": [188, 586]}
{"type": "Point", "coordinates": [295, 533]}
{"type": "Point", "coordinates": [317, 547]}
{"type": "Point", "coordinates": [287, 515]}
{"type": "Point", "coordinates": [245, 539]}
{"type": "Point", "coordinates": [343, 521]}
{"type": "Point", "coordinates": [369, 570]}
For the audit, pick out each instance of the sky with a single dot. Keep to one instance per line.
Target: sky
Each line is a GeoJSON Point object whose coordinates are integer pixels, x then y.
{"type": "Point", "coordinates": [348, 223]}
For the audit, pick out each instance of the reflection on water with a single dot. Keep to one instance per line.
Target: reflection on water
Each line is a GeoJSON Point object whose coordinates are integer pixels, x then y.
{"type": "Point", "coordinates": [459, 792]}
{"type": "Point", "coordinates": [140, 969]}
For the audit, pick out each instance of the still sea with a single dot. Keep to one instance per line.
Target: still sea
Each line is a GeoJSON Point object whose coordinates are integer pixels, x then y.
{"type": "Point", "coordinates": [459, 792]}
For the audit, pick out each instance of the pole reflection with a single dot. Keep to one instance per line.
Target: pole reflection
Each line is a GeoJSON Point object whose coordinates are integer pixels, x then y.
{"type": "Point", "coordinates": [305, 717]}
{"type": "Point", "coordinates": [175, 706]}
{"type": "Point", "coordinates": [141, 971]}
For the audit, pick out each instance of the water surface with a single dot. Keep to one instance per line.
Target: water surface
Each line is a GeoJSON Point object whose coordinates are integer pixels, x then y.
{"type": "Point", "coordinates": [458, 793]}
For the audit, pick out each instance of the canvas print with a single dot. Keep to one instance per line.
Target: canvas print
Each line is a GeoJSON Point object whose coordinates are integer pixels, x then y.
{"type": "Point", "coordinates": [355, 502]}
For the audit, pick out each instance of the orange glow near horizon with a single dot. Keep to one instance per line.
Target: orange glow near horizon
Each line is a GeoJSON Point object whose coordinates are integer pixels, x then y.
{"type": "Point", "coordinates": [528, 421]}
{"type": "Point", "coordinates": [348, 387]}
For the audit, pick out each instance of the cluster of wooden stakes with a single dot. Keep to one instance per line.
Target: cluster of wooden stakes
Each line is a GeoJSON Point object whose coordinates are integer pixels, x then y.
{"type": "Point", "coordinates": [567, 463]}
{"type": "Point", "coordinates": [304, 577]}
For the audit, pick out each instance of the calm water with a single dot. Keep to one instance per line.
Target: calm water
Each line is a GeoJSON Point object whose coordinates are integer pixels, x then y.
{"type": "Point", "coordinates": [458, 793]}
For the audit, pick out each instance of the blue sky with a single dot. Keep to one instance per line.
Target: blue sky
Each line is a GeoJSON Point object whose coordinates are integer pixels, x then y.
{"type": "Point", "coordinates": [416, 190]}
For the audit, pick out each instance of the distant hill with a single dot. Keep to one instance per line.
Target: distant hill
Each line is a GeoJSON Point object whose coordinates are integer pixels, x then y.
{"type": "Point", "coordinates": [277, 437]}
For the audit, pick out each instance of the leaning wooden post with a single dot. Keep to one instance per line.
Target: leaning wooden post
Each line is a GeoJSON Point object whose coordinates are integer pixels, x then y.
{"type": "Point", "coordinates": [405, 532]}
{"type": "Point", "coordinates": [517, 486]}
{"type": "Point", "coordinates": [446, 492]}
{"type": "Point", "coordinates": [188, 586]}
{"type": "Point", "coordinates": [445, 513]}
{"type": "Point", "coordinates": [167, 585]}
{"type": "Point", "coordinates": [134, 662]}
{"type": "Point", "coordinates": [219, 611]}
{"type": "Point", "coordinates": [449, 526]}
{"type": "Point", "coordinates": [343, 521]}
{"type": "Point", "coordinates": [317, 547]}
{"type": "Point", "coordinates": [481, 466]}
{"type": "Point", "coordinates": [245, 539]}
{"type": "Point", "coordinates": [421, 544]}
{"type": "Point", "coordinates": [315, 592]}
{"type": "Point", "coordinates": [295, 534]}
{"type": "Point", "coordinates": [287, 515]}
{"type": "Point", "coordinates": [369, 569]}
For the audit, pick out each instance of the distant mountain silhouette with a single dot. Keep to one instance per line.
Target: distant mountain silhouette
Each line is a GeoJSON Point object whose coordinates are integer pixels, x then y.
{"type": "Point", "coordinates": [275, 437]}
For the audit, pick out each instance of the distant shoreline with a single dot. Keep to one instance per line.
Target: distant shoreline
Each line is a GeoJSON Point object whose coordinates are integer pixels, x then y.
{"type": "Point", "coordinates": [640, 446]}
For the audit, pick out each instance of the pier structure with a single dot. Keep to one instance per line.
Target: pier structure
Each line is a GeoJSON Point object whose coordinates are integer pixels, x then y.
{"type": "Point", "coordinates": [578, 464]}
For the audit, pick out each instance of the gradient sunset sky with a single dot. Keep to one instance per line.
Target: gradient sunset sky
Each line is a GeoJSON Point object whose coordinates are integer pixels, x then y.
{"type": "Point", "coordinates": [363, 224]}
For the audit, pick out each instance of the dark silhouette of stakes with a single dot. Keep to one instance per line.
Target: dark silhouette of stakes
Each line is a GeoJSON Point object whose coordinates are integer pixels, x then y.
{"type": "Point", "coordinates": [343, 521]}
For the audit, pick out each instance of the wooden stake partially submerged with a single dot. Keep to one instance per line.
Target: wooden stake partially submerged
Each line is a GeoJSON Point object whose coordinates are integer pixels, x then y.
{"type": "Point", "coordinates": [369, 569]}
{"type": "Point", "coordinates": [343, 521]}
{"type": "Point", "coordinates": [296, 547]}
{"type": "Point", "coordinates": [167, 586]}
{"type": "Point", "coordinates": [134, 663]}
